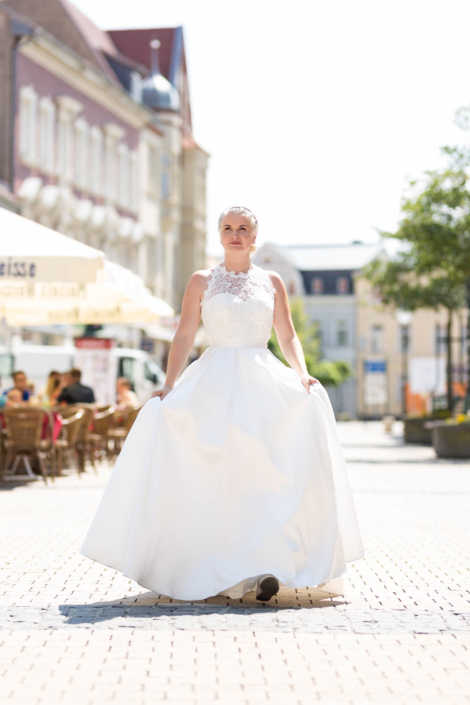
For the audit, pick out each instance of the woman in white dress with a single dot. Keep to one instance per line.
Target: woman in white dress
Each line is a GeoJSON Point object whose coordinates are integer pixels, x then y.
{"type": "Point", "coordinates": [232, 478]}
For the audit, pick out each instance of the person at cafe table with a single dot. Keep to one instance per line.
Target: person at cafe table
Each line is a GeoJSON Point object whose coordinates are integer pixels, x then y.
{"type": "Point", "coordinates": [74, 391]}
{"type": "Point", "coordinates": [20, 383]}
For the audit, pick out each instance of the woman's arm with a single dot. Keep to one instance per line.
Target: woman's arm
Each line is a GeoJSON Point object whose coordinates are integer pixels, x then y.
{"type": "Point", "coordinates": [186, 331]}
{"type": "Point", "coordinates": [287, 337]}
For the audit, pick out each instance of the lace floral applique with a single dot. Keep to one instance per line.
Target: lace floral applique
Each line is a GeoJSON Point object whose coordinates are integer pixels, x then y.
{"type": "Point", "coordinates": [243, 285]}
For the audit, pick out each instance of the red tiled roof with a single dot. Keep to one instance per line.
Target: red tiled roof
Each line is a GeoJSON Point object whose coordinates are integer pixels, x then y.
{"type": "Point", "coordinates": [135, 43]}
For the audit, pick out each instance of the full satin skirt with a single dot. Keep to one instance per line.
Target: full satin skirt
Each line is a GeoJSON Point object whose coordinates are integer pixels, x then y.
{"type": "Point", "coordinates": [238, 472]}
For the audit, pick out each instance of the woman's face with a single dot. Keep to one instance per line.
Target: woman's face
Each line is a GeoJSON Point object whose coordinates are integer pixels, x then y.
{"type": "Point", "coordinates": [236, 234]}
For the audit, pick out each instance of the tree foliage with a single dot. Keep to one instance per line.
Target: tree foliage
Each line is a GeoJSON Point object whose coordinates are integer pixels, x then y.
{"type": "Point", "coordinates": [432, 267]}
{"type": "Point", "coordinates": [328, 372]}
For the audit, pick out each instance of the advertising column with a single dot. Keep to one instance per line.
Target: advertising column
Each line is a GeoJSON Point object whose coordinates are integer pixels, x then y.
{"type": "Point", "coordinates": [94, 357]}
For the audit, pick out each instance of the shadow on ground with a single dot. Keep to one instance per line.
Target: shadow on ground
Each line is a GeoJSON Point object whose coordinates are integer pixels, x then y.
{"type": "Point", "coordinates": [150, 605]}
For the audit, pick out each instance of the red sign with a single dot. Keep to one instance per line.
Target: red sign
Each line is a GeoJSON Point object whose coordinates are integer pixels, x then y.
{"type": "Point", "coordinates": [94, 343]}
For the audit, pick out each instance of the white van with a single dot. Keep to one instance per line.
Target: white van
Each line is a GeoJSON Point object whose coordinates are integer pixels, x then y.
{"type": "Point", "coordinates": [37, 361]}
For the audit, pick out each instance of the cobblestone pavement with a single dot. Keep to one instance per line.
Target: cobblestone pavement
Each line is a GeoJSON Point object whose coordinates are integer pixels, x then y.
{"type": "Point", "coordinates": [72, 631]}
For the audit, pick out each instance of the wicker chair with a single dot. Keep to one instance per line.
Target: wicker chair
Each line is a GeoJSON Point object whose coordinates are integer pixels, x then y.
{"type": "Point", "coordinates": [83, 444]}
{"type": "Point", "coordinates": [24, 430]}
{"type": "Point", "coordinates": [99, 437]}
{"type": "Point", "coordinates": [119, 433]}
{"type": "Point", "coordinates": [71, 426]}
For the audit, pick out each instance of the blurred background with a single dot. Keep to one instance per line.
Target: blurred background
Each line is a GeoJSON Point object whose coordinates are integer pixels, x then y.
{"type": "Point", "coordinates": [128, 129]}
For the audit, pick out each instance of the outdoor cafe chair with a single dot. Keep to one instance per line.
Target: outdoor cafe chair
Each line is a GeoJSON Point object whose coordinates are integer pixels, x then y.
{"type": "Point", "coordinates": [83, 444]}
{"type": "Point", "coordinates": [99, 437]}
{"type": "Point", "coordinates": [67, 443]}
{"type": "Point", "coordinates": [119, 432]}
{"type": "Point", "coordinates": [24, 439]}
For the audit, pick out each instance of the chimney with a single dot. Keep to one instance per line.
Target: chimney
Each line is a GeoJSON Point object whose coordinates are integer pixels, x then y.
{"type": "Point", "coordinates": [155, 45]}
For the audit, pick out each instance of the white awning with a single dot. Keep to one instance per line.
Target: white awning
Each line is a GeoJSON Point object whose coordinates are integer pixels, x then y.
{"type": "Point", "coordinates": [30, 252]}
{"type": "Point", "coordinates": [49, 278]}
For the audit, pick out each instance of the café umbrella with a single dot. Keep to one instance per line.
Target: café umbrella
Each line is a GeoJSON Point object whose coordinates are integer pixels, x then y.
{"type": "Point", "coordinates": [49, 278]}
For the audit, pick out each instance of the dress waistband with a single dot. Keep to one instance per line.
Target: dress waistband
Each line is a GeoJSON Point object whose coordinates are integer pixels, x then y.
{"type": "Point", "coordinates": [239, 343]}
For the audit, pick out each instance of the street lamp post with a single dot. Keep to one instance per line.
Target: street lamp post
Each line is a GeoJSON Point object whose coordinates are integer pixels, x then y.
{"type": "Point", "coordinates": [404, 319]}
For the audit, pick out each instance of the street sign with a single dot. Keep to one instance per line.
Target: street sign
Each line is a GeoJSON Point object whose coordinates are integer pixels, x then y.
{"type": "Point", "coordinates": [375, 382]}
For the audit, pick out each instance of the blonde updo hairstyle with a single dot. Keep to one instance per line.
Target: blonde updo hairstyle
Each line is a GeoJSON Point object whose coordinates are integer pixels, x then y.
{"type": "Point", "coordinates": [241, 210]}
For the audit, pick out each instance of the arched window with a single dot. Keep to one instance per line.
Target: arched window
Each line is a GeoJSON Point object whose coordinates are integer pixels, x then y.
{"type": "Point", "coordinates": [96, 160]}
{"type": "Point", "coordinates": [28, 124]}
{"type": "Point", "coordinates": [81, 153]}
{"type": "Point", "coordinates": [342, 285]}
{"type": "Point", "coordinates": [124, 191]}
{"type": "Point", "coordinates": [46, 134]}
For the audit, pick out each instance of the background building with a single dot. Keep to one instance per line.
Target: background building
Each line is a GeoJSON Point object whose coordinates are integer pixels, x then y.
{"type": "Point", "coordinates": [323, 277]}
{"type": "Point", "coordinates": [391, 356]}
{"type": "Point", "coordinates": [96, 139]}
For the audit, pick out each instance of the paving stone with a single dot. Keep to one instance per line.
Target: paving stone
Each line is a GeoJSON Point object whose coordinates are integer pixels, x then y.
{"type": "Point", "coordinates": [73, 631]}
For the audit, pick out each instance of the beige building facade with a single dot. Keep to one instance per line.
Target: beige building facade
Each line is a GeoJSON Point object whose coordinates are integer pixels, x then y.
{"type": "Point", "coordinates": [413, 348]}
{"type": "Point", "coordinates": [398, 359]}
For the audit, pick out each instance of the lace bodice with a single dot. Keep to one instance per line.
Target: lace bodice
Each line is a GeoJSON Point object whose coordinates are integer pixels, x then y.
{"type": "Point", "coordinates": [238, 307]}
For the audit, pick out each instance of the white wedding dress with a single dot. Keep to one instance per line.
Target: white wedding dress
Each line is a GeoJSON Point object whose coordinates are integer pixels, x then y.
{"type": "Point", "coordinates": [238, 472]}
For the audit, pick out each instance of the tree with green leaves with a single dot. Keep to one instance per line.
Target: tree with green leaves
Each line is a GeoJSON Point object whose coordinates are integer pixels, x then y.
{"type": "Point", "coordinates": [328, 372]}
{"type": "Point", "coordinates": [432, 268]}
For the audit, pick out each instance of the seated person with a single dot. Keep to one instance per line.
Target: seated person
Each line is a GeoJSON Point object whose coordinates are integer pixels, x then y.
{"type": "Point", "coordinates": [126, 398]}
{"type": "Point", "coordinates": [34, 399]}
{"type": "Point", "coordinates": [21, 384]}
{"type": "Point", "coordinates": [14, 399]}
{"type": "Point", "coordinates": [75, 392]}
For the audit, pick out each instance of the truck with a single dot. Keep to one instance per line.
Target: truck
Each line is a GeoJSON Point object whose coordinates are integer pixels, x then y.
{"type": "Point", "coordinates": [37, 361]}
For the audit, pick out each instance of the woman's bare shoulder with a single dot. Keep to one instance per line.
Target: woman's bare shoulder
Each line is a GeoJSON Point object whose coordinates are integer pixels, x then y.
{"type": "Point", "coordinates": [276, 280]}
{"type": "Point", "coordinates": [198, 281]}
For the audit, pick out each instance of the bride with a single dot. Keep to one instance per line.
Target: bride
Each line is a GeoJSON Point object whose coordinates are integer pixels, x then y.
{"type": "Point", "coordinates": [232, 478]}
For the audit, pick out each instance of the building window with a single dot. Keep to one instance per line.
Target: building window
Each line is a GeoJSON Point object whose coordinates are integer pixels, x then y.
{"type": "Point", "coordinates": [135, 88]}
{"type": "Point", "coordinates": [124, 195]}
{"type": "Point", "coordinates": [28, 123]}
{"type": "Point", "coordinates": [375, 295]}
{"type": "Point", "coordinates": [440, 335]}
{"type": "Point", "coordinates": [64, 153]}
{"type": "Point", "coordinates": [46, 134]}
{"type": "Point", "coordinates": [404, 339]}
{"type": "Point", "coordinates": [342, 333]}
{"type": "Point", "coordinates": [153, 170]}
{"type": "Point", "coordinates": [376, 342]}
{"type": "Point", "coordinates": [134, 181]}
{"type": "Point", "coordinates": [110, 166]}
{"type": "Point", "coordinates": [81, 153]}
{"type": "Point", "coordinates": [317, 285]}
{"type": "Point", "coordinates": [166, 176]}
{"type": "Point", "coordinates": [342, 285]}
{"type": "Point", "coordinates": [96, 148]}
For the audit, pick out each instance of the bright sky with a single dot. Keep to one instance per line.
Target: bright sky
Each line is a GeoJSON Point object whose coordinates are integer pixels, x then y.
{"type": "Point", "coordinates": [315, 113]}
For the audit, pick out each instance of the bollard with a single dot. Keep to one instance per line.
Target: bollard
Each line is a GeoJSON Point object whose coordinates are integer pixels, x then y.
{"type": "Point", "coordinates": [388, 423]}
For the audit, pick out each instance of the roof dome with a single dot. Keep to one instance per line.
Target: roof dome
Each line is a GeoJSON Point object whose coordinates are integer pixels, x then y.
{"type": "Point", "coordinates": [157, 91]}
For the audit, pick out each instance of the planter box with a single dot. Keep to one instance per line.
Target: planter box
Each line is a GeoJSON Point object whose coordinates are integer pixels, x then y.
{"type": "Point", "coordinates": [452, 441]}
{"type": "Point", "coordinates": [416, 432]}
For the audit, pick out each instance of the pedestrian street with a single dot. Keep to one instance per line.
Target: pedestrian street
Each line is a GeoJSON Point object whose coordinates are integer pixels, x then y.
{"type": "Point", "coordinates": [75, 632]}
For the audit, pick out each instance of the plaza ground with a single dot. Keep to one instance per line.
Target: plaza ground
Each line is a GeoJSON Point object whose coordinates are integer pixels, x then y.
{"type": "Point", "coordinates": [72, 631]}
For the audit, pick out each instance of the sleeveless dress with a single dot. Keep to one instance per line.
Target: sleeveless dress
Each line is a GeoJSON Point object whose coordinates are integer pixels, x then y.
{"type": "Point", "coordinates": [238, 472]}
